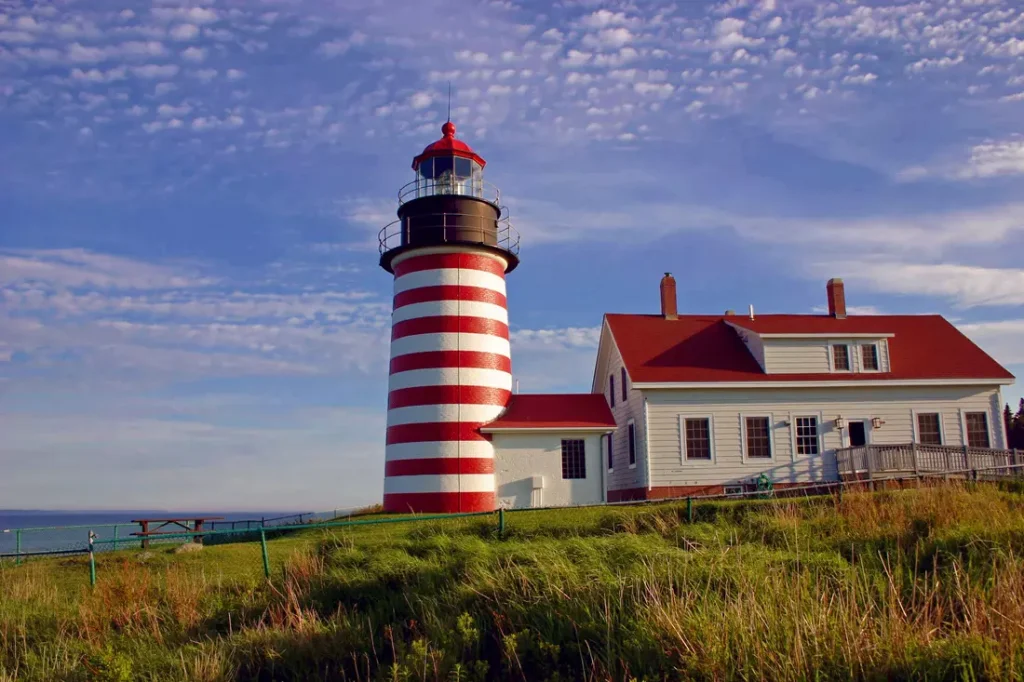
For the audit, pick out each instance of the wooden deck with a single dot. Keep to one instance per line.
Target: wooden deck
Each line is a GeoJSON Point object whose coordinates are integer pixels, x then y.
{"type": "Point", "coordinates": [880, 462]}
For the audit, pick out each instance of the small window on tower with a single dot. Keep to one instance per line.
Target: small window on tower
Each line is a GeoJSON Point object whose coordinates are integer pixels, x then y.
{"type": "Point", "coordinates": [625, 393]}
{"type": "Point", "coordinates": [611, 389]}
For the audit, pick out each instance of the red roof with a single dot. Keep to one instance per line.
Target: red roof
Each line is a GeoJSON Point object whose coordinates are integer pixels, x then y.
{"type": "Point", "coordinates": [554, 411]}
{"type": "Point", "coordinates": [705, 348]}
{"type": "Point", "coordinates": [447, 146]}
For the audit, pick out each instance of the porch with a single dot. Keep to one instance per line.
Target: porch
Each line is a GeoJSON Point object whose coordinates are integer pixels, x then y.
{"type": "Point", "coordinates": [879, 462]}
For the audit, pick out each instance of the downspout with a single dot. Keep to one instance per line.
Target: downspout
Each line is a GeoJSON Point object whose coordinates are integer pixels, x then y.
{"type": "Point", "coordinates": [647, 449]}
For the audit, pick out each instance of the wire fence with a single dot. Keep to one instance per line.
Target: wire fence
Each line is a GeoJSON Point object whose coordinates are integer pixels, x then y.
{"type": "Point", "coordinates": [58, 540]}
{"type": "Point", "coordinates": [270, 528]}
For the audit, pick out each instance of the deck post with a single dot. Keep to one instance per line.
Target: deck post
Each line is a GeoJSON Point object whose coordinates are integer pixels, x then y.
{"type": "Point", "coordinates": [145, 534]}
{"type": "Point", "coordinates": [913, 456]}
{"type": "Point", "coordinates": [868, 452]}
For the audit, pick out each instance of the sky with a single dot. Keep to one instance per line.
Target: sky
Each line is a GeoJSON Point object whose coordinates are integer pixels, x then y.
{"type": "Point", "coordinates": [191, 310]}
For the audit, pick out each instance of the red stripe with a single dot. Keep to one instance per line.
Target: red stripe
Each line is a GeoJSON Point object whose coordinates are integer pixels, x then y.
{"type": "Point", "coordinates": [450, 292]}
{"type": "Point", "coordinates": [447, 395]}
{"type": "Point", "coordinates": [439, 324]}
{"type": "Point", "coordinates": [439, 503]}
{"type": "Point", "coordinates": [434, 431]}
{"type": "Point", "coordinates": [442, 465]}
{"type": "Point", "coordinates": [451, 358]}
{"type": "Point", "coordinates": [435, 261]}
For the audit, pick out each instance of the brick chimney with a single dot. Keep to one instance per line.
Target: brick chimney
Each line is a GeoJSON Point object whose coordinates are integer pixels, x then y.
{"type": "Point", "coordinates": [836, 298]}
{"type": "Point", "coordinates": [668, 297]}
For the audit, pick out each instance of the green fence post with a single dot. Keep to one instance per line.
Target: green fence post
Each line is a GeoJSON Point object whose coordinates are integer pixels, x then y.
{"type": "Point", "coordinates": [266, 557]}
{"type": "Point", "coordinates": [115, 537]}
{"type": "Point", "coordinates": [92, 560]}
{"type": "Point", "coordinates": [689, 509]}
{"type": "Point", "coordinates": [17, 542]}
{"type": "Point", "coordinates": [501, 522]}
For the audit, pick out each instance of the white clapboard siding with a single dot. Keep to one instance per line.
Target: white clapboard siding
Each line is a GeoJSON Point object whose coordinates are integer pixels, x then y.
{"type": "Point", "coordinates": [622, 476]}
{"type": "Point", "coordinates": [796, 356]}
{"type": "Point", "coordinates": [811, 356]}
{"type": "Point", "coordinates": [895, 406]}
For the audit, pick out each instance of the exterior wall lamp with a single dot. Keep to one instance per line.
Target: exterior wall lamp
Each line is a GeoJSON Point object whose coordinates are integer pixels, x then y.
{"type": "Point", "coordinates": [876, 422]}
{"type": "Point", "coordinates": [840, 422]}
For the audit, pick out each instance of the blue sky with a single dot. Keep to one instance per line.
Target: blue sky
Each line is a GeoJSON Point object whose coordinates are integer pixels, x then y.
{"type": "Point", "coordinates": [191, 313]}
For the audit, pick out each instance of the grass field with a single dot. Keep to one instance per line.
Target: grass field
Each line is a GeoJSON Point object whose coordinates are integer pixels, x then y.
{"type": "Point", "coordinates": [913, 584]}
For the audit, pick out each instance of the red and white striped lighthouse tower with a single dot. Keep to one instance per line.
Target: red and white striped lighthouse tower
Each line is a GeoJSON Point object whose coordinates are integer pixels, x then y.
{"type": "Point", "coordinates": [451, 367]}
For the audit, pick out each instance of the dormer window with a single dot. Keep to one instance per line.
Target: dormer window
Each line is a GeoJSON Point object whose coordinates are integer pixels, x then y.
{"type": "Point", "coordinates": [869, 357]}
{"type": "Point", "coordinates": [841, 358]}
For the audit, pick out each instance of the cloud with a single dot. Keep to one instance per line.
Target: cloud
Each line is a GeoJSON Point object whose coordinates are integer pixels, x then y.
{"type": "Point", "coordinates": [964, 285]}
{"type": "Point", "coordinates": [987, 159]}
{"type": "Point", "coordinates": [608, 38]}
{"type": "Point", "coordinates": [184, 32]}
{"type": "Point", "coordinates": [153, 71]}
{"type": "Point", "coordinates": [421, 100]}
{"type": "Point", "coordinates": [196, 15]}
{"type": "Point", "coordinates": [168, 110]}
{"type": "Point", "coordinates": [99, 76]}
{"type": "Point", "coordinates": [194, 54]}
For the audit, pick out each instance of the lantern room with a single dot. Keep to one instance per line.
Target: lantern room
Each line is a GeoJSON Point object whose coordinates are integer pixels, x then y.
{"type": "Point", "coordinates": [448, 203]}
{"type": "Point", "coordinates": [449, 166]}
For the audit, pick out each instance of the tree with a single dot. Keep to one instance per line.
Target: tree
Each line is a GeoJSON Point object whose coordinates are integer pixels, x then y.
{"type": "Point", "coordinates": [1014, 426]}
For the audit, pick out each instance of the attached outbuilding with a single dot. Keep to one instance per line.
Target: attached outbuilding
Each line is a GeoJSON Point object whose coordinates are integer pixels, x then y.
{"type": "Point", "coordinates": [548, 450]}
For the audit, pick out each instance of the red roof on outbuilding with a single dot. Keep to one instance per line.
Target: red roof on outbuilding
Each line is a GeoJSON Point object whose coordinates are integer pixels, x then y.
{"type": "Point", "coordinates": [705, 348]}
{"type": "Point", "coordinates": [553, 411]}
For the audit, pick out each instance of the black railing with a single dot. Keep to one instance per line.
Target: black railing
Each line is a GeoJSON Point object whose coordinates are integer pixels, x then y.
{"type": "Point", "coordinates": [450, 227]}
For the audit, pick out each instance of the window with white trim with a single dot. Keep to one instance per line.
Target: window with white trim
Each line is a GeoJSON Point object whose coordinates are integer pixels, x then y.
{"type": "Point", "coordinates": [697, 438]}
{"type": "Point", "coordinates": [977, 429]}
{"type": "Point", "coordinates": [841, 357]}
{"type": "Point", "coordinates": [929, 428]}
{"type": "Point", "coordinates": [807, 436]}
{"type": "Point", "coordinates": [611, 460]}
{"type": "Point", "coordinates": [574, 459]}
{"type": "Point", "coordinates": [869, 357]}
{"type": "Point", "coordinates": [611, 389]}
{"type": "Point", "coordinates": [757, 437]}
{"type": "Point", "coordinates": [631, 438]}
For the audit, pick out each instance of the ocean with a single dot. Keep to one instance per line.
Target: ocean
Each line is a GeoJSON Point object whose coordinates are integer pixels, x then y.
{"type": "Point", "coordinates": [59, 537]}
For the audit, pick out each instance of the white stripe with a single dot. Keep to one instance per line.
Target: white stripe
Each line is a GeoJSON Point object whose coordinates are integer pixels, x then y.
{"type": "Point", "coordinates": [478, 449]}
{"type": "Point", "coordinates": [424, 343]}
{"type": "Point", "coordinates": [450, 277]}
{"type": "Point", "coordinates": [421, 414]}
{"type": "Point", "coordinates": [451, 376]}
{"type": "Point", "coordinates": [440, 483]}
{"type": "Point", "coordinates": [415, 311]}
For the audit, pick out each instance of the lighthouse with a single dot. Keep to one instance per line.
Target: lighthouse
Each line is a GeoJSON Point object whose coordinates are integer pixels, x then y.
{"type": "Point", "coordinates": [451, 369]}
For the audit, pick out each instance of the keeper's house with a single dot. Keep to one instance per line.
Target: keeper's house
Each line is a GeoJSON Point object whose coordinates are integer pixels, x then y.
{"type": "Point", "coordinates": [707, 403]}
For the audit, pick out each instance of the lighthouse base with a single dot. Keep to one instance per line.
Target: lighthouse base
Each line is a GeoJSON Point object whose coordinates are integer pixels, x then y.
{"type": "Point", "coordinates": [438, 503]}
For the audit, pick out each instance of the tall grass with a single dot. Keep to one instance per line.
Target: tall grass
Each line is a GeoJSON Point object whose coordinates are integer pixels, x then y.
{"type": "Point", "coordinates": [914, 584]}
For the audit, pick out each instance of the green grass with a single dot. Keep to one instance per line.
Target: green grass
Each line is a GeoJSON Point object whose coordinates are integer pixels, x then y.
{"type": "Point", "coordinates": [912, 584]}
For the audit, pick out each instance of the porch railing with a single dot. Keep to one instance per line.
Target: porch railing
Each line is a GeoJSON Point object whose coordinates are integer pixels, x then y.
{"type": "Point", "coordinates": [887, 461]}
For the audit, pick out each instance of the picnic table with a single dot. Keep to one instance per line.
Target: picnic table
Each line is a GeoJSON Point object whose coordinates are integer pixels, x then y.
{"type": "Point", "coordinates": [175, 525]}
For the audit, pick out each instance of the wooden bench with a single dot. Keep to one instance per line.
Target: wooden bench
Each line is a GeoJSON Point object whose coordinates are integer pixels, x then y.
{"type": "Point", "coordinates": [176, 526]}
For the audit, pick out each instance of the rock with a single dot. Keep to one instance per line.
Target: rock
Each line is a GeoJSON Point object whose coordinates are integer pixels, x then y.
{"type": "Point", "coordinates": [143, 557]}
{"type": "Point", "coordinates": [188, 547]}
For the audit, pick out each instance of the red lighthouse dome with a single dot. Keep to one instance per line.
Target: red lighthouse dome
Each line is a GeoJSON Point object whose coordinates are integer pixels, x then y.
{"type": "Point", "coordinates": [448, 146]}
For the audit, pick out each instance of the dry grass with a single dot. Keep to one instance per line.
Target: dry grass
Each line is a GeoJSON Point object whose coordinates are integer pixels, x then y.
{"type": "Point", "coordinates": [915, 584]}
